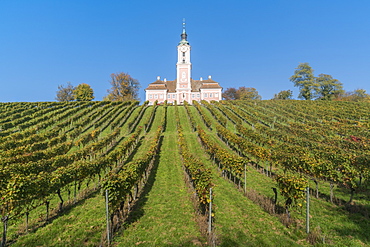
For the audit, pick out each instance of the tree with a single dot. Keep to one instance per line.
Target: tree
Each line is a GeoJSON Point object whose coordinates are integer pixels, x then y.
{"type": "Point", "coordinates": [243, 93]}
{"type": "Point", "coordinates": [124, 87]}
{"type": "Point", "coordinates": [285, 94]}
{"type": "Point", "coordinates": [328, 88]}
{"type": "Point", "coordinates": [65, 93]}
{"type": "Point", "coordinates": [304, 79]}
{"type": "Point", "coordinates": [357, 95]}
{"type": "Point", "coordinates": [248, 93]}
{"type": "Point", "coordinates": [83, 92]}
{"type": "Point", "coordinates": [230, 94]}
{"type": "Point", "coordinates": [360, 95]}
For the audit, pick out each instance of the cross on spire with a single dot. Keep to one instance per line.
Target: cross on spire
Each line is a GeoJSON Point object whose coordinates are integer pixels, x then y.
{"type": "Point", "coordinates": [183, 35]}
{"type": "Point", "coordinates": [183, 25]}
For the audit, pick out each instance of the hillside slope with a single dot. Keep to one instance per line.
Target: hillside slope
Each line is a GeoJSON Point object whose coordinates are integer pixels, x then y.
{"type": "Point", "coordinates": [57, 160]}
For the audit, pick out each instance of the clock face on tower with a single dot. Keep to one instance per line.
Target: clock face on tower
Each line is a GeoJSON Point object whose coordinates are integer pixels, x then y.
{"type": "Point", "coordinates": [183, 49]}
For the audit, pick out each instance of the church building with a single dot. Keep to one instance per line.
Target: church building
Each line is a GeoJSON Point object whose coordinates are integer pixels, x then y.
{"type": "Point", "coordinates": [183, 88]}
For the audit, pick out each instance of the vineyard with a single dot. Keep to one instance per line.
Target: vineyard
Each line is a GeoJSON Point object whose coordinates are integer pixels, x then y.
{"type": "Point", "coordinates": [229, 173]}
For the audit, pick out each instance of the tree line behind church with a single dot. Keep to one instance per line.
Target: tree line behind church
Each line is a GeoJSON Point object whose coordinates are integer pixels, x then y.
{"type": "Point", "coordinates": [322, 87]}
{"type": "Point", "coordinates": [123, 88]}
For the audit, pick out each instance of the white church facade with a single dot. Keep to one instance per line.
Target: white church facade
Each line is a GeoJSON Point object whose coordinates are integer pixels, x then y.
{"type": "Point", "coordinates": [183, 88]}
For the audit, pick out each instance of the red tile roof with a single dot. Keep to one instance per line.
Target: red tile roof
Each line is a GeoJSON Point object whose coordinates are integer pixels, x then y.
{"type": "Point", "coordinates": [196, 85]}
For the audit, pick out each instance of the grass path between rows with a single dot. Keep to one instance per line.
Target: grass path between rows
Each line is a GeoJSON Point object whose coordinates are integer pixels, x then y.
{"type": "Point", "coordinates": [238, 221]}
{"type": "Point", "coordinates": [81, 225]}
{"type": "Point", "coordinates": [164, 215]}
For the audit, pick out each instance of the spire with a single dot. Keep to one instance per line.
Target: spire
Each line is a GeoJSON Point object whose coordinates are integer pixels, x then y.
{"type": "Point", "coordinates": [183, 35]}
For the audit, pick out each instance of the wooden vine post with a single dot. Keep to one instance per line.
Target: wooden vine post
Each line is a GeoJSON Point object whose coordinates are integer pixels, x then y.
{"type": "Point", "coordinates": [107, 216]}
{"type": "Point", "coordinates": [307, 209]}
{"type": "Point", "coordinates": [245, 178]}
{"type": "Point", "coordinates": [210, 212]}
{"type": "Point", "coordinates": [5, 226]}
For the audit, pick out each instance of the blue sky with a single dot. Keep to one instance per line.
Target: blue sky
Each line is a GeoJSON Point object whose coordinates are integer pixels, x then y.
{"type": "Point", "coordinates": [257, 43]}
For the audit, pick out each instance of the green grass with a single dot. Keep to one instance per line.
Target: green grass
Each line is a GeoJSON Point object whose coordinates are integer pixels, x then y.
{"type": "Point", "coordinates": [336, 225]}
{"type": "Point", "coordinates": [37, 216]}
{"type": "Point", "coordinates": [238, 221]}
{"type": "Point", "coordinates": [88, 216]}
{"type": "Point", "coordinates": [82, 225]}
{"type": "Point", "coordinates": [164, 215]}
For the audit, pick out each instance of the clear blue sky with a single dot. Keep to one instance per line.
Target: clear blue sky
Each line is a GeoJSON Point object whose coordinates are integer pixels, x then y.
{"type": "Point", "coordinates": [256, 43]}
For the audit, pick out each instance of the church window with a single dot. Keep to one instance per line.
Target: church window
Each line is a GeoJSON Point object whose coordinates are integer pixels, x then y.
{"type": "Point", "coordinates": [206, 95]}
{"type": "Point", "coordinates": [173, 96]}
{"type": "Point", "coordinates": [183, 54]}
{"type": "Point", "coordinates": [198, 95]}
{"type": "Point", "coordinates": [216, 95]}
{"type": "Point", "coordinates": [161, 96]}
{"type": "Point", "coordinates": [156, 96]}
{"type": "Point", "coordinates": [211, 95]}
{"type": "Point", "coordinates": [193, 95]}
{"type": "Point", "coordinates": [150, 96]}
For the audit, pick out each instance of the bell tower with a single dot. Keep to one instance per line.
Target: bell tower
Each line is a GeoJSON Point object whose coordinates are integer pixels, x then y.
{"type": "Point", "coordinates": [183, 67]}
